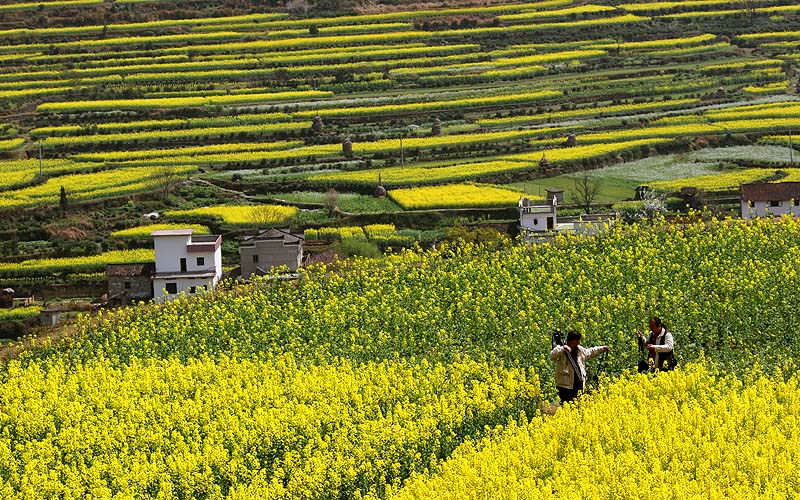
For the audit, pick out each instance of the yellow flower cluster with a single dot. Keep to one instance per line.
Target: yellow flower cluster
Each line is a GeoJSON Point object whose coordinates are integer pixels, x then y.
{"type": "Point", "coordinates": [395, 176]}
{"type": "Point", "coordinates": [771, 35]}
{"type": "Point", "coordinates": [314, 384]}
{"type": "Point", "coordinates": [747, 64]}
{"type": "Point", "coordinates": [398, 176]}
{"type": "Point", "coordinates": [782, 140]}
{"type": "Point", "coordinates": [523, 98]}
{"type": "Point", "coordinates": [537, 26]}
{"type": "Point", "coordinates": [617, 109]}
{"type": "Point", "coordinates": [270, 429]}
{"type": "Point", "coordinates": [691, 434]}
{"type": "Point", "coordinates": [59, 4]}
{"type": "Point", "coordinates": [385, 234]}
{"type": "Point", "coordinates": [265, 129]}
{"type": "Point", "coordinates": [455, 196]}
{"type": "Point", "coordinates": [89, 186]}
{"type": "Point", "coordinates": [682, 4]}
{"type": "Point", "coordinates": [566, 155]}
{"type": "Point", "coordinates": [17, 172]}
{"type": "Point", "coordinates": [19, 313]}
{"type": "Point", "coordinates": [240, 215]}
{"type": "Point", "coordinates": [128, 41]}
{"type": "Point", "coordinates": [143, 232]}
{"type": "Point", "coordinates": [771, 88]}
{"type": "Point", "coordinates": [12, 144]}
{"type": "Point", "coordinates": [177, 102]}
{"type": "Point", "coordinates": [175, 123]}
{"type": "Point", "coordinates": [727, 181]}
{"type": "Point", "coordinates": [75, 264]}
{"type": "Point", "coordinates": [663, 43]}
{"type": "Point", "coordinates": [545, 14]}
{"type": "Point", "coordinates": [186, 152]}
{"type": "Point", "coordinates": [335, 233]}
{"type": "Point", "coordinates": [769, 110]}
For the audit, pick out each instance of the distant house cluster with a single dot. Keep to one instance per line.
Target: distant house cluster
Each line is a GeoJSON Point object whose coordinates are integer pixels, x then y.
{"type": "Point", "coordinates": [539, 221]}
{"type": "Point", "coordinates": [191, 264]}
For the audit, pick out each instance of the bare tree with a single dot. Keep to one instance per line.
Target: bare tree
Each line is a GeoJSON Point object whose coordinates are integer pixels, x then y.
{"type": "Point", "coordinates": [165, 179]}
{"type": "Point", "coordinates": [331, 201]}
{"type": "Point", "coordinates": [586, 189]}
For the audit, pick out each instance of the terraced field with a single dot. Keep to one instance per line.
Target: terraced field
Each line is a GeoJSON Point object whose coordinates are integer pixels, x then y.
{"type": "Point", "coordinates": [261, 104]}
{"type": "Point", "coordinates": [421, 374]}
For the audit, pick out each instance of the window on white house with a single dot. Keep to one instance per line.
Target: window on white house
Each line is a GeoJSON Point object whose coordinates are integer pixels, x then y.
{"type": "Point", "coordinates": [171, 287]}
{"type": "Point", "coordinates": [201, 261]}
{"type": "Point", "coordinates": [796, 201]}
{"type": "Point", "coordinates": [192, 289]}
{"type": "Point", "coordinates": [255, 258]}
{"type": "Point", "coordinates": [774, 203]}
{"type": "Point", "coordinates": [127, 285]}
{"type": "Point", "coordinates": [751, 203]}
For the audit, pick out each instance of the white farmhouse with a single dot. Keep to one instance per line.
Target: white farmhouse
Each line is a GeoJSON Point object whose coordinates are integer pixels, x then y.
{"type": "Point", "coordinates": [770, 198]}
{"type": "Point", "coordinates": [185, 263]}
{"type": "Point", "coordinates": [536, 218]}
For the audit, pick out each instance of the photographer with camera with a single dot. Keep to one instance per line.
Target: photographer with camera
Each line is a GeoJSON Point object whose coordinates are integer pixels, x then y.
{"type": "Point", "coordinates": [660, 347]}
{"type": "Point", "coordinates": [570, 358]}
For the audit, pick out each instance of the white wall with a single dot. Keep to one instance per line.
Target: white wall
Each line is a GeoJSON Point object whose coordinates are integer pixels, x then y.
{"type": "Point", "coordinates": [183, 284]}
{"type": "Point", "coordinates": [169, 251]}
{"type": "Point", "coordinates": [763, 208]}
{"type": "Point", "coordinates": [537, 221]}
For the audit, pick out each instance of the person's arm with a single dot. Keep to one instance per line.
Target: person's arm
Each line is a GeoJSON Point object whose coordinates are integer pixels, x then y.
{"type": "Point", "coordinates": [594, 351]}
{"type": "Point", "coordinates": [641, 339]}
{"type": "Point", "coordinates": [557, 350]}
{"type": "Point", "coordinates": [668, 344]}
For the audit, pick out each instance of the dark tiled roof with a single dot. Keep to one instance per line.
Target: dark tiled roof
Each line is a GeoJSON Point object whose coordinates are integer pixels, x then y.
{"type": "Point", "coordinates": [275, 233]}
{"type": "Point", "coordinates": [770, 191]}
{"type": "Point", "coordinates": [130, 270]}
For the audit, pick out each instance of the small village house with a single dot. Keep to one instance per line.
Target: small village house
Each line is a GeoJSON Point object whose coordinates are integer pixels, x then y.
{"type": "Point", "coordinates": [129, 283]}
{"type": "Point", "coordinates": [268, 249]}
{"type": "Point", "coordinates": [185, 263]}
{"type": "Point", "coordinates": [49, 317]}
{"type": "Point", "coordinates": [536, 218]}
{"type": "Point", "coordinates": [770, 198]}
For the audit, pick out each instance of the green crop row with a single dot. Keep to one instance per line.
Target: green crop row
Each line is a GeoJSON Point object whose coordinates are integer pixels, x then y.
{"type": "Point", "coordinates": [149, 136]}
{"type": "Point", "coordinates": [178, 102]}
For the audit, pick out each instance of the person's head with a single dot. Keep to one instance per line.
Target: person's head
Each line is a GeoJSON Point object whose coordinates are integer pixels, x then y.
{"type": "Point", "coordinates": [573, 338]}
{"type": "Point", "coordinates": [655, 324]}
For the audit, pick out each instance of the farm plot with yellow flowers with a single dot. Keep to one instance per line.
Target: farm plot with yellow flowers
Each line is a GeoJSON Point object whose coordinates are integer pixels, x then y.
{"type": "Point", "coordinates": [240, 215]}
{"type": "Point", "coordinates": [455, 196]}
{"type": "Point", "coordinates": [421, 375]}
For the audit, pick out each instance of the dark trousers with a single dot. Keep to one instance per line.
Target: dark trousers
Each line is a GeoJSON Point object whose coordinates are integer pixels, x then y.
{"type": "Point", "coordinates": [567, 395]}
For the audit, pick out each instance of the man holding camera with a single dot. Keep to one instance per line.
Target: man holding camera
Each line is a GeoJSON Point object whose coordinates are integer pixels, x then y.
{"type": "Point", "coordinates": [570, 358]}
{"type": "Point", "coordinates": [659, 344]}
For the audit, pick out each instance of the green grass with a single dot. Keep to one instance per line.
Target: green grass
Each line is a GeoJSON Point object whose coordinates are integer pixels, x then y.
{"type": "Point", "coordinates": [348, 202]}
{"type": "Point", "coordinates": [618, 182]}
{"type": "Point", "coordinates": [609, 191]}
{"type": "Point", "coordinates": [759, 153]}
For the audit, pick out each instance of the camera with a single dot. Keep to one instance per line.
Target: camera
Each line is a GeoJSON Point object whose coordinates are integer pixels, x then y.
{"type": "Point", "coordinates": [557, 339]}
